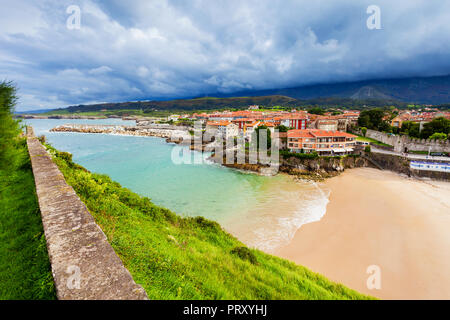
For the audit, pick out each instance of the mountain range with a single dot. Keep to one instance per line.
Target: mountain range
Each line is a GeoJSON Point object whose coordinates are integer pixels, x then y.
{"type": "Point", "coordinates": [357, 94]}
{"type": "Point", "coordinates": [419, 90]}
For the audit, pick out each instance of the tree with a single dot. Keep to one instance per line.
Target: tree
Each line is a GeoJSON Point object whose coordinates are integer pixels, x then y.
{"type": "Point", "coordinates": [385, 126]}
{"type": "Point", "coordinates": [437, 125]}
{"type": "Point", "coordinates": [364, 121]}
{"type": "Point", "coordinates": [9, 128]}
{"type": "Point", "coordinates": [318, 111]}
{"type": "Point", "coordinates": [438, 136]}
{"type": "Point", "coordinates": [282, 128]}
{"type": "Point", "coordinates": [373, 119]}
{"type": "Point", "coordinates": [411, 129]}
{"type": "Point", "coordinates": [364, 131]}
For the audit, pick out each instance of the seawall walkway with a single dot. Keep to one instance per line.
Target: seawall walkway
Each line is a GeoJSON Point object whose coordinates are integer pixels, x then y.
{"type": "Point", "coordinates": [84, 265]}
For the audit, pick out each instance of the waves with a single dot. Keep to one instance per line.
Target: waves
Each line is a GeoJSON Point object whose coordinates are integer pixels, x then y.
{"type": "Point", "coordinates": [295, 208]}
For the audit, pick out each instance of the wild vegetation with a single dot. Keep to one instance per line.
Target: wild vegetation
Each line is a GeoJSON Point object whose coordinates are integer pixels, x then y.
{"type": "Point", "coordinates": [379, 119]}
{"type": "Point", "coordinates": [373, 119]}
{"type": "Point", "coordinates": [188, 258]}
{"type": "Point", "coordinates": [373, 141]}
{"type": "Point", "coordinates": [286, 154]}
{"type": "Point", "coordinates": [24, 266]}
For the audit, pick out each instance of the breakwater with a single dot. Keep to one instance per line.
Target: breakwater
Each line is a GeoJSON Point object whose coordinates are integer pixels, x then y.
{"type": "Point", "coordinates": [168, 133]}
{"type": "Point", "coordinates": [84, 265]}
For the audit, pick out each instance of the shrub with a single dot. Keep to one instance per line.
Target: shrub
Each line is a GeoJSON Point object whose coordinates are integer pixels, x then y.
{"type": "Point", "coordinates": [438, 136]}
{"type": "Point", "coordinates": [66, 156]}
{"type": "Point", "coordinates": [42, 139]}
{"type": "Point", "coordinates": [287, 154]}
{"type": "Point", "coordinates": [245, 254]}
{"type": "Point", "coordinates": [367, 149]}
{"type": "Point", "coordinates": [206, 224]}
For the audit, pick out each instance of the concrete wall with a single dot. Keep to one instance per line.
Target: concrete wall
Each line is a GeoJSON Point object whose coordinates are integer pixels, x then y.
{"type": "Point", "coordinates": [401, 142]}
{"type": "Point", "coordinates": [84, 265]}
{"type": "Point", "coordinates": [402, 165]}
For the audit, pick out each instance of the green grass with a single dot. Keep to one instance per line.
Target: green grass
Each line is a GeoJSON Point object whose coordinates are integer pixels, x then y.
{"type": "Point", "coordinates": [418, 152]}
{"type": "Point", "coordinates": [24, 266]}
{"type": "Point", "coordinates": [188, 258]}
{"type": "Point", "coordinates": [122, 112]}
{"type": "Point", "coordinates": [373, 141]}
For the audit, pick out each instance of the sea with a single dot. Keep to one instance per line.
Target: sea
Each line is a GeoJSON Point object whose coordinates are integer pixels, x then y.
{"type": "Point", "coordinates": [263, 212]}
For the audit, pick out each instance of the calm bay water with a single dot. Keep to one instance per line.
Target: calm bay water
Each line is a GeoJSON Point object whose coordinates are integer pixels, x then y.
{"type": "Point", "coordinates": [262, 212]}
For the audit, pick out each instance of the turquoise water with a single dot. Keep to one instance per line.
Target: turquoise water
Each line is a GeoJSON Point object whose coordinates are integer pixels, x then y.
{"type": "Point", "coordinates": [262, 211]}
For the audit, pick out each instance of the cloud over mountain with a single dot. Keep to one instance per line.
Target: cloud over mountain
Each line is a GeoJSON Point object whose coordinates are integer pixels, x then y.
{"type": "Point", "coordinates": [131, 50]}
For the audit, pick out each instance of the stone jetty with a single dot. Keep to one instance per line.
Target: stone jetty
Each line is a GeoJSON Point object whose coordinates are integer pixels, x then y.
{"type": "Point", "coordinates": [170, 134]}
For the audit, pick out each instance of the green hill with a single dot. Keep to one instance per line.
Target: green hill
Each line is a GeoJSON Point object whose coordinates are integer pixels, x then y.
{"type": "Point", "coordinates": [215, 103]}
{"type": "Point", "coordinates": [207, 103]}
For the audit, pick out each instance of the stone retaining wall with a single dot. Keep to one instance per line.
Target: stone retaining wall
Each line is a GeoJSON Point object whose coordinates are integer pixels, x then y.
{"type": "Point", "coordinates": [401, 142]}
{"type": "Point", "coordinates": [84, 265]}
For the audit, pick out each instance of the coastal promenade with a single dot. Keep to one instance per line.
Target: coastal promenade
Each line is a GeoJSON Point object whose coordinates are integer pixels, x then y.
{"type": "Point", "coordinates": [84, 265]}
{"type": "Point", "coordinates": [409, 155]}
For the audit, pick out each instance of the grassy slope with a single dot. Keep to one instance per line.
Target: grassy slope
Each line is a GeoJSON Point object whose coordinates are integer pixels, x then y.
{"type": "Point", "coordinates": [188, 258]}
{"type": "Point", "coordinates": [24, 265]}
{"type": "Point", "coordinates": [375, 142]}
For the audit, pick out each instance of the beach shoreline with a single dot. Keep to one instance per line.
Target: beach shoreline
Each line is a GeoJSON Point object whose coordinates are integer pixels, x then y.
{"type": "Point", "coordinates": [380, 218]}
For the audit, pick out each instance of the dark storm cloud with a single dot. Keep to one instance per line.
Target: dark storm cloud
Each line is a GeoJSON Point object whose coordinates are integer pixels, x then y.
{"type": "Point", "coordinates": [131, 50]}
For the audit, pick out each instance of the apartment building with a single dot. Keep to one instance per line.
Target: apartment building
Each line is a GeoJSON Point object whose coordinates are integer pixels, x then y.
{"type": "Point", "coordinates": [321, 141]}
{"type": "Point", "coordinates": [224, 128]}
{"type": "Point", "coordinates": [296, 121]}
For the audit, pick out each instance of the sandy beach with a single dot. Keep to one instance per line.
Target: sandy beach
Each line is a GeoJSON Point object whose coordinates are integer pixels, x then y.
{"type": "Point", "coordinates": [380, 218]}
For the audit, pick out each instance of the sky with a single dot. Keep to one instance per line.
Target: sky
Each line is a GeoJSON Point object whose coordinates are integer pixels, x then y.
{"type": "Point", "coordinates": [160, 49]}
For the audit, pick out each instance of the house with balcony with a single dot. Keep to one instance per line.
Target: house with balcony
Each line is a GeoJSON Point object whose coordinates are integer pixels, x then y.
{"type": "Point", "coordinates": [325, 143]}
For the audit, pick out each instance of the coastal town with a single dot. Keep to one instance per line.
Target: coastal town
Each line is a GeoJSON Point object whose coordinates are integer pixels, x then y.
{"type": "Point", "coordinates": [332, 133]}
{"type": "Point", "coordinates": [221, 153]}
{"type": "Point", "coordinates": [297, 131]}
{"type": "Point", "coordinates": [302, 135]}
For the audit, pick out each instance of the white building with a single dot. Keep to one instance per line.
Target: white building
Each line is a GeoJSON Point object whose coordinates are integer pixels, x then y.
{"type": "Point", "coordinates": [249, 128]}
{"type": "Point", "coordinates": [225, 128]}
{"type": "Point", "coordinates": [173, 117]}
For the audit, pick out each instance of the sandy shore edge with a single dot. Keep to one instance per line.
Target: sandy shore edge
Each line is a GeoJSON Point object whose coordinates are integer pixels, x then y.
{"type": "Point", "coordinates": [379, 218]}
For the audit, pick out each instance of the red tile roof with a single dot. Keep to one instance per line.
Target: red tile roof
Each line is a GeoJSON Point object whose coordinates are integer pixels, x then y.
{"type": "Point", "coordinates": [312, 133]}
{"type": "Point", "coordinates": [218, 123]}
